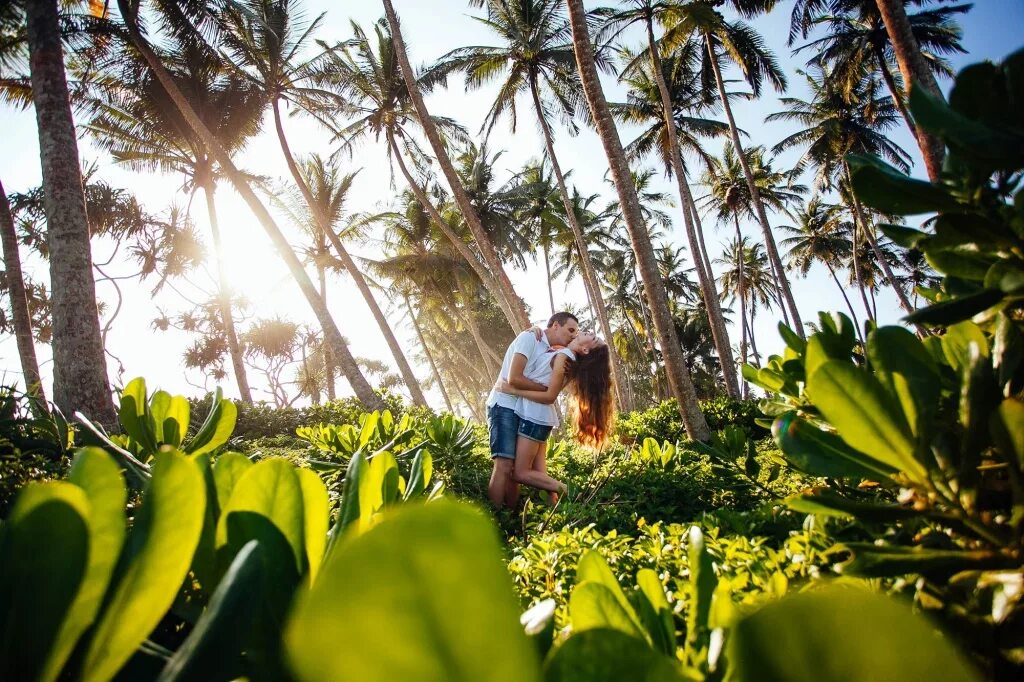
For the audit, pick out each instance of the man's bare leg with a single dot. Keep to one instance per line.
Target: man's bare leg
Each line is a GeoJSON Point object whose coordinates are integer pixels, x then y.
{"type": "Point", "coordinates": [501, 479]}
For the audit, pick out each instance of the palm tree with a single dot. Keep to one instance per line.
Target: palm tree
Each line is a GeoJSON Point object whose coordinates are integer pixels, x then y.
{"type": "Point", "coordinates": [79, 364]}
{"type": "Point", "coordinates": [514, 306]}
{"type": "Point", "coordinates": [540, 214]}
{"type": "Point", "coordinates": [678, 376]}
{"type": "Point", "coordinates": [819, 236]}
{"type": "Point", "coordinates": [535, 58]}
{"type": "Point", "coordinates": [746, 277]}
{"type": "Point", "coordinates": [838, 123]}
{"type": "Point", "coordinates": [662, 95]}
{"type": "Point", "coordinates": [129, 10]}
{"type": "Point", "coordinates": [368, 76]}
{"type": "Point", "coordinates": [141, 129]}
{"type": "Point", "coordinates": [265, 40]}
{"type": "Point", "coordinates": [856, 37]}
{"type": "Point", "coordinates": [720, 38]}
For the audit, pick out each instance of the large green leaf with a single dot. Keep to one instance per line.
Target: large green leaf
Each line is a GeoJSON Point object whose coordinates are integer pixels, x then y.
{"type": "Point", "coordinates": [907, 370]}
{"type": "Point", "coordinates": [608, 656]}
{"type": "Point", "coordinates": [885, 188]}
{"type": "Point", "coordinates": [161, 544]}
{"type": "Point", "coordinates": [315, 519]}
{"type": "Point", "coordinates": [703, 582]}
{"type": "Point", "coordinates": [422, 595]}
{"type": "Point", "coordinates": [96, 473]}
{"type": "Point", "coordinates": [133, 414]}
{"type": "Point", "coordinates": [956, 309]}
{"type": "Point", "coordinates": [593, 568]}
{"type": "Point", "coordinates": [216, 428]}
{"type": "Point", "coordinates": [593, 605]}
{"type": "Point", "coordinates": [875, 561]}
{"type": "Point", "coordinates": [170, 417]}
{"type": "Point", "coordinates": [840, 634]}
{"type": "Point", "coordinates": [213, 649]}
{"type": "Point", "coordinates": [271, 488]}
{"type": "Point", "coordinates": [662, 626]}
{"type": "Point", "coordinates": [1007, 426]}
{"type": "Point", "coordinates": [866, 416]}
{"type": "Point", "coordinates": [821, 453]}
{"type": "Point", "coordinates": [348, 511]}
{"type": "Point", "coordinates": [827, 503]}
{"type": "Point", "coordinates": [956, 344]}
{"type": "Point", "coordinates": [44, 549]}
{"type": "Point", "coordinates": [227, 471]}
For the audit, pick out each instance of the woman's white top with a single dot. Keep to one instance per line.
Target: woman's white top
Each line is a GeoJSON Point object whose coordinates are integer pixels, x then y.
{"type": "Point", "coordinates": [539, 369]}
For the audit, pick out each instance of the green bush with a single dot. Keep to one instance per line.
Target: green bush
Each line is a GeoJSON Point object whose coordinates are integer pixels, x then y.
{"type": "Point", "coordinates": [662, 422]}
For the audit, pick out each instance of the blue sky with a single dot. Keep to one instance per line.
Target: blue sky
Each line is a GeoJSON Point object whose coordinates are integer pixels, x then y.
{"type": "Point", "coordinates": [432, 27]}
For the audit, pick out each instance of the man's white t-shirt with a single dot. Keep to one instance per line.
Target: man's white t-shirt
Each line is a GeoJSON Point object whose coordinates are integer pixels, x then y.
{"type": "Point", "coordinates": [525, 344]}
{"type": "Point", "coordinates": [539, 369]}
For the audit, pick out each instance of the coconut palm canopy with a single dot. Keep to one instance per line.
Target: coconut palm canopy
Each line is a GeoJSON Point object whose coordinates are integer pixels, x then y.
{"type": "Point", "coordinates": [397, 281]}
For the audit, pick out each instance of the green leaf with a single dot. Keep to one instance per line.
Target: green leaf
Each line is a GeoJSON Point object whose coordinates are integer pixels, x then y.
{"type": "Point", "coordinates": [170, 417]}
{"type": "Point", "coordinates": [827, 503]}
{"type": "Point", "coordinates": [956, 344]}
{"type": "Point", "coordinates": [98, 474]}
{"type": "Point", "coordinates": [217, 428]}
{"type": "Point", "coordinates": [907, 237]}
{"type": "Point", "coordinates": [316, 506]}
{"type": "Point", "coordinates": [874, 561]}
{"type": "Point", "coordinates": [840, 634]}
{"type": "Point", "coordinates": [348, 512]}
{"type": "Point", "coordinates": [956, 309]}
{"type": "Point", "coordinates": [792, 339]}
{"type": "Point", "coordinates": [162, 540]}
{"type": "Point", "coordinates": [702, 588]}
{"type": "Point", "coordinates": [662, 626]}
{"type": "Point", "coordinates": [885, 188]}
{"type": "Point", "coordinates": [907, 370]}
{"type": "Point", "coordinates": [1007, 349]}
{"type": "Point", "coordinates": [865, 415]}
{"type": "Point", "coordinates": [594, 605]}
{"type": "Point", "coordinates": [271, 488]}
{"type": "Point", "coordinates": [423, 594]}
{"type": "Point", "coordinates": [44, 551]}
{"type": "Point", "coordinates": [133, 414]}
{"type": "Point", "coordinates": [820, 453]}
{"type": "Point", "coordinates": [419, 474]}
{"type": "Point", "coordinates": [227, 471]}
{"type": "Point", "coordinates": [593, 568]}
{"type": "Point", "coordinates": [963, 263]}
{"type": "Point", "coordinates": [1007, 426]}
{"type": "Point", "coordinates": [608, 656]}
{"type": "Point", "coordinates": [212, 650]}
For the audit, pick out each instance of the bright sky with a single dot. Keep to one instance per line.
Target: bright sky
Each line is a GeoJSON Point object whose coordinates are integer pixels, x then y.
{"type": "Point", "coordinates": [431, 28]}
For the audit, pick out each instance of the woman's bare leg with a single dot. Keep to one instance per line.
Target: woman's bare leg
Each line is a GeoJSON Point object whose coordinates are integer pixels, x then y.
{"type": "Point", "coordinates": [523, 470]}
{"type": "Point", "coordinates": [540, 463]}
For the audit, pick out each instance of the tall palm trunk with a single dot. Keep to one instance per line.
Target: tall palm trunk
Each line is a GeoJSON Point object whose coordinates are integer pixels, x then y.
{"type": "Point", "coordinates": [755, 195]}
{"type": "Point", "coordinates": [339, 348]}
{"type": "Point", "coordinates": [858, 275]}
{"type": "Point", "coordinates": [741, 256]}
{"type": "Point", "coordinates": [514, 308]}
{"type": "Point", "coordinates": [698, 224]}
{"type": "Point", "coordinates": [224, 298]}
{"type": "Point", "coordinates": [488, 280]}
{"type": "Point", "coordinates": [329, 368]}
{"type": "Point", "coordinates": [357, 277]}
{"type": "Point", "coordinates": [547, 272]}
{"type": "Point", "coordinates": [707, 285]}
{"type": "Point", "coordinates": [898, 96]}
{"type": "Point", "coordinates": [430, 356]}
{"type": "Point", "coordinates": [753, 341]}
{"type": "Point", "coordinates": [491, 360]}
{"type": "Point", "coordinates": [586, 267]}
{"type": "Point", "coordinates": [678, 375]}
{"type": "Point", "coordinates": [915, 73]}
{"type": "Point", "coordinates": [21, 317]}
{"type": "Point", "coordinates": [849, 305]}
{"type": "Point", "coordinates": [79, 365]}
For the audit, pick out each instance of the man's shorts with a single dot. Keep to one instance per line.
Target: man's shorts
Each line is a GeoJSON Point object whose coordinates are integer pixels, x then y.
{"type": "Point", "coordinates": [534, 431]}
{"type": "Point", "coordinates": [503, 424]}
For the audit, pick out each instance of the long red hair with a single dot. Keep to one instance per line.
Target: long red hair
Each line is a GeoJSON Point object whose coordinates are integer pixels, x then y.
{"type": "Point", "coordinates": [591, 378]}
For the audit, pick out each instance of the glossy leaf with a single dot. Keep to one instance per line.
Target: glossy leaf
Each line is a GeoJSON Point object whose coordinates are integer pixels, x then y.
{"type": "Point", "coordinates": [702, 588]}
{"type": "Point", "coordinates": [593, 605]}
{"type": "Point", "coordinates": [604, 655]}
{"type": "Point", "coordinates": [133, 414]}
{"type": "Point", "coordinates": [316, 510]}
{"type": "Point", "coordinates": [827, 503]}
{"type": "Point", "coordinates": [885, 188]}
{"type": "Point", "coordinates": [821, 453]}
{"type": "Point", "coordinates": [907, 370]}
{"type": "Point", "coordinates": [956, 309]}
{"type": "Point", "coordinates": [956, 344]}
{"type": "Point", "coordinates": [874, 561]}
{"type": "Point", "coordinates": [227, 471]}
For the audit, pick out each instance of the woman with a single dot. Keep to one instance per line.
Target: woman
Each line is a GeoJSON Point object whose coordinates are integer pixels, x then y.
{"type": "Point", "coordinates": [586, 370]}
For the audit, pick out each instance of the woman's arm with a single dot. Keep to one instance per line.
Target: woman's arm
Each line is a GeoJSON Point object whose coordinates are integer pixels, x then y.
{"type": "Point", "coordinates": [548, 396]}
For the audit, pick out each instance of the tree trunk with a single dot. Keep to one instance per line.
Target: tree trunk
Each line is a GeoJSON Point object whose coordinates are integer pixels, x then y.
{"type": "Point", "coordinates": [856, 270]}
{"type": "Point", "coordinates": [590, 281]}
{"type": "Point", "coordinates": [79, 366]}
{"type": "Point", "coordinates": [346, 260]}
{"type": "Point", "coordinates": [915, 73]}
{"type": "Point", "coordinates": [707, 285]}
{"type": "Point", "coordinates": [488, 280]}
{"type": "Point", "coordinates": [898, 97]}
{"type": "Point", "coordinates": [697, 223]}
{"type": "Point", "coordinates": [325, 349]}
{"type": "Point", "coordinates": [755, 195]}
{"type": "Point", "coordinates": [741, 293]}
{"type": "Point", "coordinates": [20, 315]}
{"type": "Point", "coordinates": [515, 309]}
{"type": "Point", "coordinates": [224, 298]}
{"type": "Point", "coordinates": [678, 376]}
{"type": "Point", "coordinates": [547, 271]}
{"type": "Point", "coordinates": [753, 341]}
{"type": "Point", "coordinates": [339, 348]}
{"type": "Point", "coordinates": [849, 305]}
{"type": "Point", "coordinates": [430, 357]}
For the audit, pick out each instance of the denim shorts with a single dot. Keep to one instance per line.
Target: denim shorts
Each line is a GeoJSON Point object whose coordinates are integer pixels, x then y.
{"type": "Point", "coordinates": [503, 424]}
{"type": "Point", "coordinates": [534, 431]}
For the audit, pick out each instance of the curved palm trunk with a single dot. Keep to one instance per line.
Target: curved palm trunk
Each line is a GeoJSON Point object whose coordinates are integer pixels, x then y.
{"type": "Point", "coordinates": [697, 223]}
{"type": "Point", "coordinates": [325, 350]}
{"type": "Point", "coordinates": [898, 97]}
{"type": "Point", "coordinates": [79, 365]}
{"type": "Point", "coordinates": [849, 305]}
{"type": "Point", "coordinates": [339, 348]}
{"type": "Point", "coordinates": [755, 195]}
{"type": "Point", "coordinates": [488, 280]}
{"type": "Point", "coordinates": [346, 259]}
{"type": "Point", "coordinates": [741, 256]}
{"type": "Point", "coordinates": [753, 341]}
{"type": "Point", "coordinates": [430, 356]}
{"type": "Point", "coordinates": [491, 359]}
{"type": "Point", "coordinates": [678, 376]}
{"type": "Point", "coordinates": [515, 310]}
{"type": "Point", "coordinates": [586, 267]}
{"type": "Point", "coordinates": [547, 271]}
{"type": "Point", "coordinates": [21, 317]}
{"type": "Point", "coordinates": [707, 285]}
{"type": "Point", "coordinates": [224, 301]}
{"type": "Point", "coordinates": [915, 73]}
{"type": "Point", "coordinates": [858, 275]}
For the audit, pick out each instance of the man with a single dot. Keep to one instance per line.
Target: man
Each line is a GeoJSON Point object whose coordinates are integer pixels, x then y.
{"type": "Point", "coordinates": [502, 421]}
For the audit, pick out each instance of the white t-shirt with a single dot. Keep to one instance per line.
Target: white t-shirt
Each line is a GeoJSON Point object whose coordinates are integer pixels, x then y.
{"type": "Point", "coordinates": [539, 369]}
{"type": "Point", "coordinates": [525, 344]}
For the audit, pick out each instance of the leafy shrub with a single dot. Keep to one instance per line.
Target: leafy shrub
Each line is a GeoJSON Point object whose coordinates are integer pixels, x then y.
{"type": "Point", "coordinates": [662, 422]}
{"type": "Point", "coordinates": [33, 445]}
